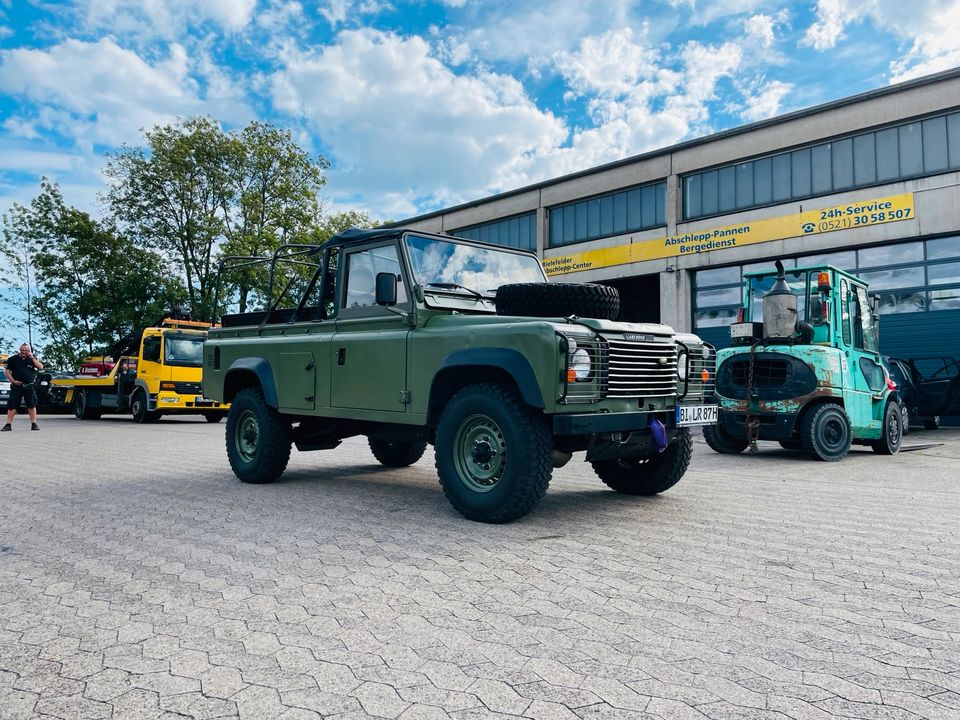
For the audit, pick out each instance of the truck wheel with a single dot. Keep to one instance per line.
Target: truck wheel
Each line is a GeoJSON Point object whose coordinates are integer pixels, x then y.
{"type": "Point", "coordinates": [889, 443]}
{"type": "Point", "coordinates": [494, 454]}
{"type": "Point", "coordinates": [258, 438]}
{"type": "Point", "coordinates": [138, 409]}
{"type": "Point", "coordinates": [825, 433]}
{"type": "Point", "coordinates": [397, 453]}
{"type": "Point", "coordinates": [648, 474]}
{"type": "Point", "coordinates": [214, 417]}
{"type": "Point", "coordinates": [932, 423]}
{"type": "Point", "coordinates": [723, 442]}
{"type": "Point", "coordinates": [82, 409]}
{"type": "Point", "coordinates": [558, 300]}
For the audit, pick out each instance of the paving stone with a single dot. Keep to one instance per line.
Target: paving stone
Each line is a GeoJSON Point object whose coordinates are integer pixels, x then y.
{"type": "Point", "coordinates": [756, 588]}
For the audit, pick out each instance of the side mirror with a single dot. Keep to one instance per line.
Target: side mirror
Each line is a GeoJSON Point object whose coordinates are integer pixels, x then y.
{"type": "Point", "coordinates": [386, 289]}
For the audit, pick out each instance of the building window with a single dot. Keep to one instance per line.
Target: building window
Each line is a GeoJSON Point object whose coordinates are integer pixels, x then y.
{"type": "Point", "coordinates": [516, 232]}
{"type": "Point", "coordinates": [909, 150]}
{"type": "Point", "coordinates": [621, 212]}
{"type": "Point", "coordinates": [915, 276]}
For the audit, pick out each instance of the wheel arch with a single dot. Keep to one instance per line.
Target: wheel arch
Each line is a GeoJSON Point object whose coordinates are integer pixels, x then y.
{"type": "Point", "coordinates": [477, 365]}
{"type": "Point", "coordinates": [250, 372]}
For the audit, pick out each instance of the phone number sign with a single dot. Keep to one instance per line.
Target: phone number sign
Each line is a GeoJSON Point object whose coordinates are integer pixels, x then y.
{"type": "Point", "coordinates": [864, 213]}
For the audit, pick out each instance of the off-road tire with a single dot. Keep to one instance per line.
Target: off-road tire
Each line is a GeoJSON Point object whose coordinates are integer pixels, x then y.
{"type": "Point", "coordinates": [82, 409]}
{"type": "Point", "coordinates": [791, 444]}
{"type": "Point", "coordinates": [825, 432]}
{"type": "Point", "coordinates": [648, 474]}
{"type": "Point", "coordinates": [889, 443]}
{"type": "Point", "coordinates": [722, 442]}
{"type": "Point", "coordinates": [932, 423]}
{"type": "Point", "coordinates": [397, 453]}
{"type": "Point", "coordinates": [214, 417]}
{"type": "Point", "coordinates": [586, 300]}
{"type": "Point", "coordinates": [138, 408]}
{"type": "Point", "coordinates": [494, 454]}
{"type": "Point", "coordinates": [258, 438]}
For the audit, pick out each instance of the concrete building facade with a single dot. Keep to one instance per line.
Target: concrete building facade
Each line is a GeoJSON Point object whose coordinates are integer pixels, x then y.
{"type": "Point", "coordinates": [870, 183]}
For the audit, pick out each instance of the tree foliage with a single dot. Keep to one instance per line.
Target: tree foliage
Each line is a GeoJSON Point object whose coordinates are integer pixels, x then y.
{"type": "Point", "coordinates": [196, 191]}
{"type": "Point", "coordinates": [93, 285]}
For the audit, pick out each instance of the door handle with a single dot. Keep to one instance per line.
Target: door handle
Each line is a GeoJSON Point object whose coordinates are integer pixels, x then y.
{"type": "Point", "coordinates": [342, 356]}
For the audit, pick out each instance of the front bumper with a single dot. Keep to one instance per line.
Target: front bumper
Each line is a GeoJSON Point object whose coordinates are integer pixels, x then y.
{"type": "Point", "coordinates": [773, 426]}
{"type": "Point", "coordinates": [594, 423]}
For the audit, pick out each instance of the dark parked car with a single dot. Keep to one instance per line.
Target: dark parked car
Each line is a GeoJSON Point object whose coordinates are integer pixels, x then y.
{"type": "Point", "coordinates": [50, 398]}
{"type": "Point", "coordinates": [929, 387]}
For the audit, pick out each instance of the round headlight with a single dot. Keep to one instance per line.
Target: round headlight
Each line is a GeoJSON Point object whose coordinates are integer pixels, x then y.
{"type": "Point", "coordinates": [706, 352]}
{"type": "Point", "coordinates": [580, 364]}
{"type": "Point", "coordinates": [682, 366]}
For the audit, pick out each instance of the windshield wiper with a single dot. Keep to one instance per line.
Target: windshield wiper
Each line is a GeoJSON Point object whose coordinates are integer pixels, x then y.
{"type": "Point", "coordinates": [455, 286]}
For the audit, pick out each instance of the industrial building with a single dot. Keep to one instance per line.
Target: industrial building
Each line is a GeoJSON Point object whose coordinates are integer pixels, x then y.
{"type": "Point", "coordinates": [870, 183]}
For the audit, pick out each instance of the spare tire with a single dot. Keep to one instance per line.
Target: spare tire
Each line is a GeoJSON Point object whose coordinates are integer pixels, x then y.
{"type": "Point", "coordinates": [586, 300]}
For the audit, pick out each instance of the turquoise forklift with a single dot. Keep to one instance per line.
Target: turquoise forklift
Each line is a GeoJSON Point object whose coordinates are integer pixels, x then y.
{"type": "Point", "coordinates": [805, 368]}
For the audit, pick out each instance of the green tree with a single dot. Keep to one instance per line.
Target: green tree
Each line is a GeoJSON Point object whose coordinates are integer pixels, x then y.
{"type": "Point", "coordinates": [172, 196]}
{"type": "Point", "coordinates": [276, 186]}
{"type": "Point", "coordinates": [196, 191]}
{"type": "Point", "coordinates": [93, 285]}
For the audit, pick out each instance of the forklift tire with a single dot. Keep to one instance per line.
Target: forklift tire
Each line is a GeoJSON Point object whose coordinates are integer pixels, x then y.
{"type": "Point", "coordinates": [648, 474]}
{"type": "Point", "coordinates": [932, 423]}
{"type": "Point", "coordinates": [889, 443]}
{"type": "Point", "coordinates": [825, 432]}
{"type": "Point", "coordinates": [722, 442]}
{"type": "Point", "coordinates": [82, 409]}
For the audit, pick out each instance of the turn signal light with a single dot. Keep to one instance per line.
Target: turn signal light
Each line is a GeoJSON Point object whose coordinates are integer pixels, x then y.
{"type": "Point", "coordinates": [571, 375]}
{"type": "Point", "coordinates": [891, 385]}
{"type": "Point", "coordinates": [167, 386]}
{"type": "Point", "coordinates": [705, 375]}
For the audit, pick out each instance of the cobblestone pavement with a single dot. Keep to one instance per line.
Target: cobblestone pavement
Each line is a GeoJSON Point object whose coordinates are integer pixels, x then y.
{"type": "Point", "coordinates": [139, 579]}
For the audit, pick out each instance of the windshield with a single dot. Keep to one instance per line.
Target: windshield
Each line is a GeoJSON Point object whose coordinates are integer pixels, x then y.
{"type": "Point", "coordinates": [760, 286]}
{"type": "Point", "coordinates": [184, 350]}
{"type": "Point", "coordinates": [480, 269]}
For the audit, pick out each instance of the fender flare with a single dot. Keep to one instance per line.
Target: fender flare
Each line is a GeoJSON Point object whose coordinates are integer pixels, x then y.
{"type": "Point", "coordinates": [262, 370]}
{"type": "Point", "coordinates": [511, 361]}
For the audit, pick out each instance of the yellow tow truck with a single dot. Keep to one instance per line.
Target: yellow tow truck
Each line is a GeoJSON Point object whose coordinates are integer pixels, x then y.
{"type": "Point", "coordinates": [160, 375]}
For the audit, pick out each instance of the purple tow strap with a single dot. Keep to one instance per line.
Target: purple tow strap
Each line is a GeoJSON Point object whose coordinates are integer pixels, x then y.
{"type": "Point", "coordinates": [659, 433]}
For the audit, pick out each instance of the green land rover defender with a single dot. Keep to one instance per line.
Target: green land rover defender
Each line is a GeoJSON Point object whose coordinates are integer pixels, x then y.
{"type": "Point", "coordinates": [412, 338]}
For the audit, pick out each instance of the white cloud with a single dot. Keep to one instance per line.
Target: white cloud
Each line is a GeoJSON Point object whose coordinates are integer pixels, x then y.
{"type": "Point", "coordinates": [931, 29]}
{"type": "Point", "coordinates": [832, 18]}
{"type": "Point", "coordinates": [662, 107]}
{"type": "Point", "coordinates": [400, 121]}
{"type": "Point", "coordinates": [100, 93]}
{"type": "Point", "coordinates": [164, 18]}
{"type": "Point", "coordinates": [759, 30]}
{"type": "Point", "coordinates": [610, 63]}
{"type": "Point", "coordinates": [763, 100]}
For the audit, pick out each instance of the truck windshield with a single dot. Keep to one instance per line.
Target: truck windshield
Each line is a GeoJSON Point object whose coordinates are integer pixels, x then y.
{"type": "Point", "coordinates": [183, 350]}
{"type": "Point", "coordinates": [760, 286]}
{"type": "Point", "coordinates": [481, 269]}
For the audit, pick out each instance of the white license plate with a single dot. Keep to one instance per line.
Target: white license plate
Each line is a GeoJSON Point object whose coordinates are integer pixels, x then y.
{"type": "Point", "coordinates": [696, 415]}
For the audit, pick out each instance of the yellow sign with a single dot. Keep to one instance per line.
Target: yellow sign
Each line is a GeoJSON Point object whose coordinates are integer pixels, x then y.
{"type": "Point", "coordinates": [863, 213]}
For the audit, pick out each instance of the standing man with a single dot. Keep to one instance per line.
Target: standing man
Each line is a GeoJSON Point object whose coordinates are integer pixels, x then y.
{"type": "Point", "coordinates": [21, 371]}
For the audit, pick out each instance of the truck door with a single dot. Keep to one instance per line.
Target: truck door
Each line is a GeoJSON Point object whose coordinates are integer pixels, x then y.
{"type": "Point", "coordinates": [369, 350]}
{"type": "Point", "coordinates": [866, 402]}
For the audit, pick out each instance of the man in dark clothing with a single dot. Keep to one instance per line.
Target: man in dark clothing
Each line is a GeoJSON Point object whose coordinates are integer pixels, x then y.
{"type": "Point", "coordinates": [21, 371]}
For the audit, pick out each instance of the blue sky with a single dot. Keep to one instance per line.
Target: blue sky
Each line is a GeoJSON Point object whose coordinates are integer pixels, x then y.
{"type": "Point", "coordinates": [428, 103]}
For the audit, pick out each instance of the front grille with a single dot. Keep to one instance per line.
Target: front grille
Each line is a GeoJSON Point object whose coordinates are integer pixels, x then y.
{"type": "Point", "coordinates": [641, 369]}
{"type": "Point", "coordinates": [766, 373]}
{"type": "Point", "coordinates": [187, 388]}
{"type": "Point", "coordinates": [697, 389]}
